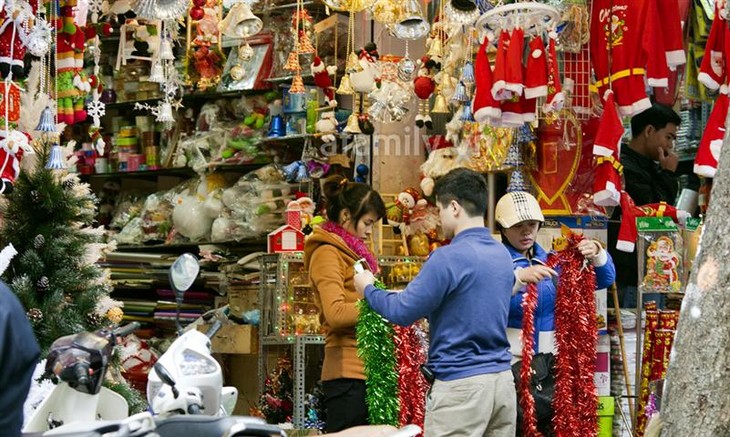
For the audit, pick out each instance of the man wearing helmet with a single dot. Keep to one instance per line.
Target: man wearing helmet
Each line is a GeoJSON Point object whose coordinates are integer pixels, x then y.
{"type": "Point", "coordinates": [519, 218]}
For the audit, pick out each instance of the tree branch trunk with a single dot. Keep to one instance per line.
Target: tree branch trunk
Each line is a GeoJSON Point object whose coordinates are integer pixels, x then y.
{"type": "Point", "coordinates": [697, 390]}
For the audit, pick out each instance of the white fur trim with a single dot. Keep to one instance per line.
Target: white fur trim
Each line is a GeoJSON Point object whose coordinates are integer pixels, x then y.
{"type": "Point", "coordinates": [528, 117]}
{"type": "Point", "coordinates": [635, 108]}
{"type": "Point", "coordinates": [676, 58]}
{"type": "Point", "coordinates": [607, 197]}
{"type": "Point", "coordinates": [512, 119]}
{"type": "Point", "coordinates": [516, 88]}
{"type": "Point", "coordinates": [658, 82]}
{"type": "Point", "coordinates": [316, 69]}
{"type": "Point", "coordinates": [625, 246]}
{"type": "Point", "coordinates": [498, 90]}
{"type": "Point", "coordinates": [707, 171]}
{"type": "Point", "coordinates": [486, 113]}
{"type": "Point", "coordinates": [9, 60]}
{"type": "Point", "coordinates": [538, 91]}
{"type": "Point", "coordinates": [707, 80]}
{"type": "Point", "coordinates": [66, 63]}
{"type": "Point", "coordinates": [600, 150]}
{"type": "Point", "coordinates": [6, 255]}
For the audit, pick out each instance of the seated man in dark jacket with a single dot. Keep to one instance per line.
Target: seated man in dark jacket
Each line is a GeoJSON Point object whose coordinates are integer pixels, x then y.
{"type": "Point", "coordinates": [19, 354]}
{"type": "Point", "coordinates": [649, 164]}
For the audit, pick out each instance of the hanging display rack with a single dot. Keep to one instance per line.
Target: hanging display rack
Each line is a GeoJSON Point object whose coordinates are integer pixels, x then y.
{"type": "Point", "coordinates": [533, 17]}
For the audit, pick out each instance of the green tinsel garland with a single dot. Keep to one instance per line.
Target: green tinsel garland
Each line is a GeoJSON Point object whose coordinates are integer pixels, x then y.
{"type": "Point", "coordinates": [376, 348]}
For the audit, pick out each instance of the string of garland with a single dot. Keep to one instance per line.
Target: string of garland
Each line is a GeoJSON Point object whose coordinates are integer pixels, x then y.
{"type": "Point", "coordinates": [527, 401]}
{"type": "Point", "coordinates": [412, 386]}
{"type": "Point", "coordinates": [376, 348]}
{"type": "Point", "coordinates": [574, 401]}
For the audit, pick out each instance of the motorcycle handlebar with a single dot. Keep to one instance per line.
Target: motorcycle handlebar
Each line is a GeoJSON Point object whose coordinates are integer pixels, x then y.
{"type": "Point", "coordinates": [125, 330]}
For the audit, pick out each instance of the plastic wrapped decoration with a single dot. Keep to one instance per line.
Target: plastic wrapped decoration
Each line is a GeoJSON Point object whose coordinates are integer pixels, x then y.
{"type": "Point", "coordinates": [660, 250]}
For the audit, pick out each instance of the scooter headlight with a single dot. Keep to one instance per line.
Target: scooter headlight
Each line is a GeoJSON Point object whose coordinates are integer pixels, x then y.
{"type": "Point", "coordinates": [194, 363]}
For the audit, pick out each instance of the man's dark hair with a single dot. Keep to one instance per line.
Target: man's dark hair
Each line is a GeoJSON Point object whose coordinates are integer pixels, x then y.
{"type": "Point", "coordinates": [658, 116]}
{"type": "Point", "coordinates": [466, 187]}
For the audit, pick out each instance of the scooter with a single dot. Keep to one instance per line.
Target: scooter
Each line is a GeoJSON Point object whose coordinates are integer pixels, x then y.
{"type": "Point", "coordinates": [78, 364]}
{"type": "Point", "coordinates": [186, 379]}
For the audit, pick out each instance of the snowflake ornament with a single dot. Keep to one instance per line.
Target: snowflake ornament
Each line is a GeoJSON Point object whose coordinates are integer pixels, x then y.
{"type": "Point", "coordinates": [96, 109]}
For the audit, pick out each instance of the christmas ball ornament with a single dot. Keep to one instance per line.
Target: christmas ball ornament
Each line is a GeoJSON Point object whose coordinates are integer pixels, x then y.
{"type": "Point", "coordinates": [197, 13]}
{"type": "Point", "coordinates": [115, 315]}
{"type": "Point", "coordinates": [199, 3]}
{"type": "Point", "coordinates": [43, 284]}
{"type": "Point", "coordinates": [35, 315]}
{"type": "Point", "coordinates": [106, 29]}
{"type": "Point", "coordinates": [39, 241]}
{"type": "Point", "coordinates": [245, 52]}
{"type": "Point", "coordinates": [362, 170]}
{"type": "Point", "coordinates": [406, 69]}
{"type": "Point", "coordinates": [93, 81]}
{"type": "Point", "coordinates": [237, 73]}
{"type": "Point", "coordinates": [94, 319]}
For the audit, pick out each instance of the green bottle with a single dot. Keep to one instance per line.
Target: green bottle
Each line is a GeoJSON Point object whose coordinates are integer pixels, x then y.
{"type": "Point", "coordinates": [312, 106]}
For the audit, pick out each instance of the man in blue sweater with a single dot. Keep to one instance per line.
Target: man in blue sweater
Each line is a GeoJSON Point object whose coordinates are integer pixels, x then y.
{"type": "Point", "coordinates": [464, 290]}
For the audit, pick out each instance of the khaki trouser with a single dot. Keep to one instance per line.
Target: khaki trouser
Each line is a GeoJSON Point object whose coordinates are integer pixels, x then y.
{"type": "Point", "coordinates": [482, 405]}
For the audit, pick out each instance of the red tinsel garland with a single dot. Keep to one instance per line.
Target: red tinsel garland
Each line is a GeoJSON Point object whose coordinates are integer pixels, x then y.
{"type": "Point", "coordinates": [412, 386]}
{"type": "Point", "coordinates": [527, 401]}
{"type": "Point", "coordinates": [574, 401]}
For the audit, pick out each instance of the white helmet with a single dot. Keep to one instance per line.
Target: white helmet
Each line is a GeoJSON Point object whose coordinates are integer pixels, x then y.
{"type": "Point", "coordinates": [516, 207]}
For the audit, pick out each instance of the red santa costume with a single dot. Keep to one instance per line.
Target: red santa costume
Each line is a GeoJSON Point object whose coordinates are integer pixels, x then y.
{"type": "Point", "coordinates": [708, 153]}
{"type": "Point", "coordinates": [484, 106]}
{"type": "Point", "coordinates": [12, 147]}
{"type": "Point", "coordinates": [629, 33]}
{"type": "Point", "coordinates": [555, 97]}
{"type": "Point", "coordinates": [513, 81]}
{"type": "Point", "coordinates": [322, 79]}
{"type": "Point", "coordinates": [627, 232]}
{"type": "Point", "coordinates": [13, 36]}
{"type": "Point", "coordinates": [499, 90]}
{"type": "Point", "coordinates": [606, 148]}
{"type": "Point", "coordinates": [713, 70]}
{"type": "Point", "coordinates": [672, 35]}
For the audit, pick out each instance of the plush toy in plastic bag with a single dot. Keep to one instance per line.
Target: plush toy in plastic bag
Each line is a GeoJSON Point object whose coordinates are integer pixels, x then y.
{"type": "Point", "coordinates": [660, 249]}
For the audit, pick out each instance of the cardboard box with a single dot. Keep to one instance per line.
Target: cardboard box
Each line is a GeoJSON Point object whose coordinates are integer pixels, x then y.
{"type": "Point", "coordinates": [243, 298]}
{"type": "Point", "coordinates": [602, 376]}
{"type": "Point", "coordinates": [234, 339]}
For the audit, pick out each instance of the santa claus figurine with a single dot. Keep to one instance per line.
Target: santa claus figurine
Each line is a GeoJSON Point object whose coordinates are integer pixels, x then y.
{"type": "Point", "coordinates": [15, 17]}
{"type": "Point", "coordinates": [12, 146]}
{"type": "Point", "coordinates": [322, 79]}
{"type": "Point", "coordinates": [423, 87]}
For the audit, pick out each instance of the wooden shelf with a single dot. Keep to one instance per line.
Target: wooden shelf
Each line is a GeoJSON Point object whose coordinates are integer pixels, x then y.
{"type": "Point", "coordinates": [246, 244]}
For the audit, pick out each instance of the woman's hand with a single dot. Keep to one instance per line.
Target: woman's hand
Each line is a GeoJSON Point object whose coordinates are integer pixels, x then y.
{"type": "Point", "coordinates": [590, 249]}
{"type": "Point", "coordinates": [534, 274]}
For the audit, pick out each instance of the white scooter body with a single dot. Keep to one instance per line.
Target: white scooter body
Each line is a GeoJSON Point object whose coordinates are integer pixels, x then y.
{"type": "Point", "coordinates": [198, 378]}
{"type": "Point", "coordinates": [69, 406]}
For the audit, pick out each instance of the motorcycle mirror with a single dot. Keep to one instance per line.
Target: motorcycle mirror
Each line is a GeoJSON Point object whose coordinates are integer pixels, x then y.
{"type": "Point", "coordinates": [165, 377]}
{"type": "Point", "coordinates": [182, 275]}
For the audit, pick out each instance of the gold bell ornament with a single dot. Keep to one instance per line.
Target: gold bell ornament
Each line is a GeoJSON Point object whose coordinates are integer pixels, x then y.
{"type": "Point", "coordinates": [353, 125]}
{"type": "Point", "coordinates": [440, 106]}
{"type": "Point", "coordinates": [345, 88]}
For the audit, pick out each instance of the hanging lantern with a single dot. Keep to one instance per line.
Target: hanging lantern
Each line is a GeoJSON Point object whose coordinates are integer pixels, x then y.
{"type": "Point", "coordinates": [241, 22]}
{"type": "Point", "coordinates": [55, 158]}
{"type": "Point", "coordinates": [411, 24]}
{"type": "Point", "coordinates": [47, 122]}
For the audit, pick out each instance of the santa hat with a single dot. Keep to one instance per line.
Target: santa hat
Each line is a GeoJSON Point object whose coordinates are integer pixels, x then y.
{"type": "Point", "coordinates": [627, 232]}
{"type": "Point", "coordinates": [555, 97]}
{"type": "Point", "coordinates": [710, 146]}
{"type": "Point", "coordinates": [436, 142]}
{"type": "Point", "coordinates": [713, 71]}
{"type": "Point", "coordinates": [513, 73]}
{"type": "Point", "coordinates": [322, 80]}
{"type": "Point", "coordinates": [483, 106]}
{"type": "Point", "coordinates": [536, 73]}
{"type": "Point", "coordinates": [499, 81]}
{"type": "Point", "coordinates": [606, 147]}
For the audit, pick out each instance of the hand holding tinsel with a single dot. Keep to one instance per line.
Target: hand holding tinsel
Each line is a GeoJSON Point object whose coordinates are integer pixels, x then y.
{"type": "Point", "coordinates": [575, 337]}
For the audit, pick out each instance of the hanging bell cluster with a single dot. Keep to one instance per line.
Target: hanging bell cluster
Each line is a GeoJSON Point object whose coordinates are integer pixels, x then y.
{"type": "Point", "coordinates": [55, 158]}
{"type": "Point", "coordinates": [411, 24]}
{"type": "Point", "coordinates": [241, 22]}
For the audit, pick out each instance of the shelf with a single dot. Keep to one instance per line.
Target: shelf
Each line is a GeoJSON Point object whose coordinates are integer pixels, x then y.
{"type": "Point", "coordinates": [282, 79]}
{"type": "Point", "coordinates": [181, 172]}
{"type": "Point", "coordinates": [189, 96]}
{"type": "Point", "coordinates": [291, 339]}
{"type": "Point", "coordinates": [248, 244]}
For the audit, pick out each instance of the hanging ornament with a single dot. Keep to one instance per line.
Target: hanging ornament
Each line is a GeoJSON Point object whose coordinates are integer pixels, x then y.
{"type": "Point", "coordinates": [55, 158]}
{"type": "Point", "coordinates": [463, 12]}
{"type": "Point", "coordinates": [166, 50]}
{"type": "Point", "coordinates": [353, 125]}
{"type": "Point", "coordinates": [197, 13]}
{"type": "Point", "coordinates": [241, 22]}
{"type": "Point", "coordinates": [237, 72]}
{"type": "Point", "coordinates": [157, 74]}
{"type": "Point", "coordinates": [39, 40]}
{"type": "Point", "coordinates": [362, 171]}
{"type": "Point", "coordinates": [115, 315]}
{"type": "Point", "coordinates": [411, 23]}
{"type": "Point", "coordinates": [292, 62]}
{"type": "Point", "coordinates": [35, 315]}
{"type": "Point", "coordinates": [297, 85]}
{"type": "Point", "coordinates": [467, 73]}
{"type": "Point", "coordinates": [159, 9]}
{"type": "Point", "coordinates": [245, 52]}
{"type": "Point", "coordinates": [305, 44]}
{"type": "Point", "coordinates": [164, 115]}
{"type": "Point", "coordinates": [460, 97]}
{"type": "Point", "coordinates": [345, 88]}
{"type": "Point", "coordinates": [39, 241]}
{"type": "Point", "coordinates": [42, 284]}
{"type": "Point", "coordinates": [439, 104]}
{"type": "Point", "coordinates": [466, 114]}
{"type": "Point", "coordinates": [407, 67]}
{"type": "Point", "coordinates": [46, 123]}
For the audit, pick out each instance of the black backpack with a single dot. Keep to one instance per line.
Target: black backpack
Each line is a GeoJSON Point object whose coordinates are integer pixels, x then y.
{"type": "Point", "coordinates": [542, 387]}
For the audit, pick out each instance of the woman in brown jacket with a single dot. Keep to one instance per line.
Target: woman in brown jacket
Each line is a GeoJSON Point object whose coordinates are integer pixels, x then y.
{"type": "Point", "coordinates": [329, 256]}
